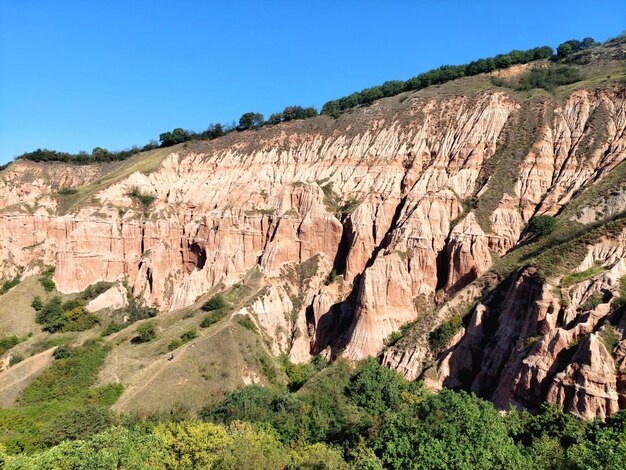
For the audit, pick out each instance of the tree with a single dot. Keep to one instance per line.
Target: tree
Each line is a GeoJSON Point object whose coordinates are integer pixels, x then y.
{"type": "Point", "coordinates": [542, 225]}
{"type": "Point", "coordinates": [177, 136]}
{"type": "Point", "coordinates": [250, 121]}
{"type": "Point", "coordinates": [147, 331]}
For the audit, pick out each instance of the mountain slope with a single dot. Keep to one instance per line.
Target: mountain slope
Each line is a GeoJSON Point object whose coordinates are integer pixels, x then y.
{"type": "Point", "coordinates": [413, 210]}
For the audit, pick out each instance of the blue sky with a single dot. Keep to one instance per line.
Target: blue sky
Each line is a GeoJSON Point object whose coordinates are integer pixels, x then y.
{"type": "Point", "coordinates": [79, 74]}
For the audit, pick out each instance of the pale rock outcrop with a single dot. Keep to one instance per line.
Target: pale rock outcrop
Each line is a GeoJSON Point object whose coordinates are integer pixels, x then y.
{"type": "Point", "coordinates": [113, 298]}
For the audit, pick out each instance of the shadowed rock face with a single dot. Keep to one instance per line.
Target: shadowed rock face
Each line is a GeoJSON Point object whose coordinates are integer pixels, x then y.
{"type": "Point", "coordinates": [381, 195]}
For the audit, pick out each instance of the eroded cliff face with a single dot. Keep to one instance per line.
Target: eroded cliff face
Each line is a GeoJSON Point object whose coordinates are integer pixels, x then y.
{"type": "Point", "coordinates": [409, 201]}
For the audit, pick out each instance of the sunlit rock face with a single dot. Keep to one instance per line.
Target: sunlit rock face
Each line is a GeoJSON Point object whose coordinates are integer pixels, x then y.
{"type": "Point", "coordinates": [389, 197]}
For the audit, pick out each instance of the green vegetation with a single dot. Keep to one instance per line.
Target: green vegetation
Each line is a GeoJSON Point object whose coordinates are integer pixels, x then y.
{"type": "Point", "coordinates": [291, 113]}
{"type": "Point", "coordinates": [610, 337]}
{"type": "Point", "coordinates": [548, 78]}
{"type": "Point", "coordinates": [68, 316]}
{"type": "Point", "coordinates": [136, 193]}
{"type": "Point", "coordinates": [184, 338]}
{"type": "Point", "coordinates": [146, 332]}
{"type": "Point", "coordinates": [332, 277]}
{"type": "Point", "coordinates": [46, 279]}
{"type": "Point", "coordinates": [574, 278]}
{"type": "Point", "coordinates": [37, 303]}
{"type": "Point", "coordinates": [60, 404]}
{"type": "Point", "coordinates": [250, 121]}
{"type": "Point", "coordinates": [591, 302]}
{"type": "Point", "coordinates": [441, 336]}
{"type": "Point", "coordinates": [7, 342]}
{"type": "Point", "coordinates": [8, 285]}
{"type": "Point", "coordinates": [542, 225]}
{"type": "Point", "coordinates": [212, 318]}
{"type": "Point", "coordinates": [333, 417]}
{"type": "Point", "coordinates": [574, 45]}
{"type": "Point", "coordinates": [214, 303]}
{"type": "Point", "coordinates": [247, 323]}
{"type": "Point", "coordinates": [443, 74]}
{"type": "Point", "coordinates": [67, 191]}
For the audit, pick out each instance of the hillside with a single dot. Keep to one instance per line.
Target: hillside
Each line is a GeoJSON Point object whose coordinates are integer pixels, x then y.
{"type": "Point", "coordinates": [470, 234]}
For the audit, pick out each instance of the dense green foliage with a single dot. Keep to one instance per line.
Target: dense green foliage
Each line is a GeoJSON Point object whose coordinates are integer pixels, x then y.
{"type": "Point", "coordinates": [7, 342]}
{"type": "Point", "coordinates": [574, 45]}
{"type": "Point", "coordinates": [72, 315]}
{"type": "Point", "coordinates": [214, 303]}
{"type": "Point", "coordinates": [8, 285]}
{"type": "Point", "coordinates": [548, 78]}
{"type": "Point", "coordinates": [146, 332]}
{"type": "Point", "coordinates": [46, 279]}
{"type": "Point", "coordinates": [542, 225]}
{"type": "Point", "coordinates": [184, 338]}
{"type": "Point", "coordinates": [60, 404]}
{"type": "Point", "coordinates": [250, 121]}
{"type": "Point", "coordinates": [333, 108]}
{"type": "Point", "coordinates": [441, 336]}
{"type": "Point", "coordinates": [443, 74]}
{"type": "Point", "coordinates": [339, 418]}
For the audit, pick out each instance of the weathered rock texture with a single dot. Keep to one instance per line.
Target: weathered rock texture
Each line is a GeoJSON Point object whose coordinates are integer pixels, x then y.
{"type": "Point", "coordinates": [408, 200]}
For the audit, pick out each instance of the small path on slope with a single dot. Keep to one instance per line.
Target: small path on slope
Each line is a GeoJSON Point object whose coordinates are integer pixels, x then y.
{"type": "Point", "coordinates": [150, 373]}
{"type": "Point", "coordinates": [15, 379]}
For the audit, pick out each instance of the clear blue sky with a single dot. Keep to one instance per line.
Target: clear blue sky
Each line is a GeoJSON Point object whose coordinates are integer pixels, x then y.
{"type": "Point", "coordinates": [79, 74]}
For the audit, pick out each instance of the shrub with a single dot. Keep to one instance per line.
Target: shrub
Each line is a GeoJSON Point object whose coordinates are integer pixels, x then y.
{"type": "Point", "coordinates": [8, 342]}
{"type": "Point", "coordinates": [441, 336]}
{"type": "Point", "coordinates": [189, 335]}
{"type": "Point", "coordinates": [332, 277]}
{"type": "Point", "coordinates": [212, 318]}
{"type": "Point", "coordinates": [548, 78]}
{"type": "Point", "coordinates": [147, 331]}
{"type": "Point", "coordinates": [46, 279]}
{"type": "Point", "coordinates": [174, 344]}
{"type": "Point", "coordinates": [79, 319]}
{"type": "Point", "coordinates": [62, 352]}
{"type": "Point", "coordinates": [136, 193]}
{"type": "Point", "coordinates": [67, 191]}
{"type": "Point", "coordinates": [8, 285]}
{"type": "Point", "coordinates": [51, 316]}
{"type": "Point", "coordinates": [214, 303]}
{"type": "Point", "coordinates": [247, 323]}
{"type": "Point", "coordinates": [15, 359]}
{"type": "Point", "coordinates": [592, 302]}
{"type": "Point", "coordinates": [37, 303]}
{"type": "Point", "coordinates": [112, 327]}
{"type": "Point", "coordinates": [542, 225]}
{"type": "Point", "coordinates": [609, 337]}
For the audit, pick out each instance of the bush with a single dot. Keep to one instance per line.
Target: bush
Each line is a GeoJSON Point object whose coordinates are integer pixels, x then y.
{"type": "Point", "coordinates": [67, 191]}
{"type": "Point", "coordinates": [136, 193]}
{"type": "Point", "coordinates": [147, 331]}
{"type": "Point", "coordinates": [8, 285]}
{"type": "Point", "coordinates": [46, 279]}
{"type": "Point", "coordinates": [37, 303]}
{"type": "Point", "coordinates": [441, 336]}
{"type": "Point", "coordinates": [214, 303]}
{"type": "Point", "coordinates": [15, 359]}
{"type": "Point", "coordinates": [542, 225]}
{"type": "Point", "coordinates": [247, 323]}
{"type": "Point", "coordinates": [112, 327]}
{"type": "Point", "coordinates": [212, 318]}
{"type": "Point", "coordinates": [174, 344]}
{"type": "Point", "coordinates": [548, 78]}
{"type": "Point", "coordinates": [8, 342]}
{"type": "Point", "coordinates": [189, 335]}
{"type": "Point", "coordinates": [62, 352]}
